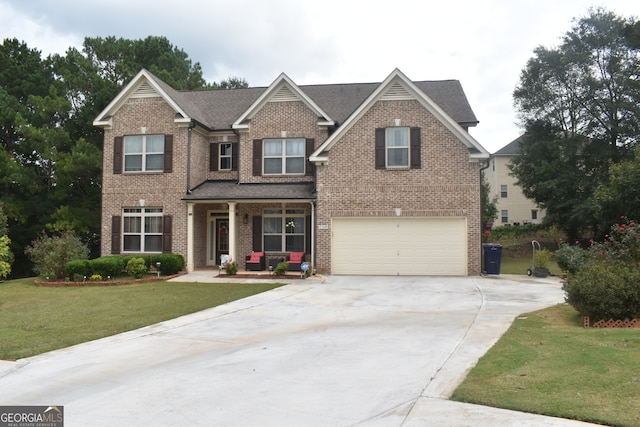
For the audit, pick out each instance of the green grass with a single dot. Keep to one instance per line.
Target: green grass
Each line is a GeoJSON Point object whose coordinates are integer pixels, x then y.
{"type": "Point", "coordinates": [520, 265]}
{"type": "Point", "coordinates": [547, 363]}
{"type": "Point", "coordinates": [35, 320]}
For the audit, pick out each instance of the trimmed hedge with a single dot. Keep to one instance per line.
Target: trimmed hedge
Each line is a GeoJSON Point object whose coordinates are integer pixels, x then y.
{"type": "Point", "coordinates": [115, 265]}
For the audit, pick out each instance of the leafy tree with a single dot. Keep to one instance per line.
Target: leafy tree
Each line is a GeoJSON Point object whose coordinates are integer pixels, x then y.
{"type": "Point", "coordinates": [578, 105]}
{"type": "Point", "coordinates": [620, 196]}
{"type": "Point", "coordinates": [489, 207]}
{"type": "Point", "coordinates": [6, 256]}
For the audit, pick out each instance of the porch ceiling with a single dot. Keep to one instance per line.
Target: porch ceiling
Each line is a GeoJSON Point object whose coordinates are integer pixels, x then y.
{"type": "Point", "coordinates": [231, 190]}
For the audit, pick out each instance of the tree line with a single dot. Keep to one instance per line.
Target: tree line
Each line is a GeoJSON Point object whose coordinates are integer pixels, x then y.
{"type": "Point", "coordinates": [579, 106]}
{"type": "Point", "coordinates": [50, 152]}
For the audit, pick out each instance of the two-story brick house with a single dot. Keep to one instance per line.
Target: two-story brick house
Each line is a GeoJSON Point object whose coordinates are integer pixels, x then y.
{"type": "Point", "coordinates": [367, 178]}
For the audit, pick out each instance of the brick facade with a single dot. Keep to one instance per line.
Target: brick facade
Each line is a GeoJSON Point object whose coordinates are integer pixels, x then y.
{"type": "Point", "coordinates": [348, 185]}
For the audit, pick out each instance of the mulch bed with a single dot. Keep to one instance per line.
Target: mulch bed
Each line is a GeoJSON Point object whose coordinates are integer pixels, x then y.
{"type": "Point", "coordinates": [115, 282]}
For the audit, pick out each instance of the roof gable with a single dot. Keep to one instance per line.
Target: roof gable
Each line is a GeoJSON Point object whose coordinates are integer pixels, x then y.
{"type": "Point", "coordinates": [283, 89]}
{"type": "Point", "coordinates": [143, 85]}
{"type": "Point", "coordinates": [398, 87]}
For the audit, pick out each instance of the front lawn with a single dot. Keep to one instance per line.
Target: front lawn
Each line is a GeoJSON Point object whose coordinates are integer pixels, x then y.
{"type": "Point", "coordinates": [35, 320]}
{"type": "Point", "coordinates": [548, 363]}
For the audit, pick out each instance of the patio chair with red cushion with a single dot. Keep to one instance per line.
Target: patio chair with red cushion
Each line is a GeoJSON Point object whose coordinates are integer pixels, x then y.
{"type": "Point", "coordinates": [295, 259]}
{"type": "Point", "coordinates": [255, 262]}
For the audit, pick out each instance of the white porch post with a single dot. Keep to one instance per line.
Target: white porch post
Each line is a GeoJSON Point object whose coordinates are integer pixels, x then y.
{"type": "Point", "coordinates": [232, 231]}
{"type": "Point", "coordinates": [190, 251]}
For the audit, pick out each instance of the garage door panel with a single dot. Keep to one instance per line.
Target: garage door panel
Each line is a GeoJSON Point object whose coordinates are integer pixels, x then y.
{"type": "Point", "coordinates": [399, 246]}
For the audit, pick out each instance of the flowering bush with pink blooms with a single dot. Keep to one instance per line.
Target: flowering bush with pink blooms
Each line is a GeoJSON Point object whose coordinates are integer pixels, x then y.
{"type": "Point", "coordinates": [604, 280]}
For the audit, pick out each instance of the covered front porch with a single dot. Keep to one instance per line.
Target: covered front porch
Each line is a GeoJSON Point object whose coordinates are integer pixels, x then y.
{"type": "Point", "coordinates": [225, 218]}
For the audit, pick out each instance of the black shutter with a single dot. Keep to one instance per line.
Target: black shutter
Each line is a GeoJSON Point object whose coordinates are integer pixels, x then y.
{"type": "Point", "coordinates": [416, 152]}
{"type": "Point", "coordinates": [116, 228]}
{"type": "Point", "coordinates": [167, 227]}
{"type": "Point", "coordinates": [380, 149]}
{"type": "Point", "coordinates": [257, 233]}
{"type": "Point", "coordinates": [213, 156]}
{"type": "Point", "coordinates": [309, 150]}
{"type": "Point", "coordinates": [234, 156]}
{"type": "Point", "coordinates": [168, 153]}
{"type": "Point", "coordinates": [117, 154]}
{"type": "Point", "coordinates": [257, 157]}
{"type": "Point", "coordinates": [307, 235]}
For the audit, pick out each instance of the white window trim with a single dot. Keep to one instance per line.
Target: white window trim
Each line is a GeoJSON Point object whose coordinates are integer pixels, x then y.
{"type": "Point", "coordinates": [285, 230]}
{"type": "Point", "coordinates": [144, 153]}
{"type": "Point", "coordinates": [387, 148]}
{"type": "Point", "coordinates": [283, 157]}
{"type": "Point", "coordinates": [225, 156]}
{"type": "Point", "coordinates": [142, 213]}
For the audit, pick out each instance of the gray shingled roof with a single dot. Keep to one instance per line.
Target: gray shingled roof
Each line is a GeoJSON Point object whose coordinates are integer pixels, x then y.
{"type": "Point", "coordinates": [510, 149]}
{"type": "Point", "coordinates": [220, 108]}
{"type": "Point", "coordinates": [230, 190]}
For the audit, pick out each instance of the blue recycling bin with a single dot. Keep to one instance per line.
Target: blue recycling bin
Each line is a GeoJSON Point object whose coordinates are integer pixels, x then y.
{"type": "Point", "coordinates": [492, 253]}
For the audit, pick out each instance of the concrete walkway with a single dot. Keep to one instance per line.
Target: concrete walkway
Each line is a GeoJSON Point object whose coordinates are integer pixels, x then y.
{"type": "Point", "coordinates": [374, 351]}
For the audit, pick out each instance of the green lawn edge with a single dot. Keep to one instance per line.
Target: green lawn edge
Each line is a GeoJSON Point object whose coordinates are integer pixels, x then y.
{"type": "Point", "coordinates": [548, 363]}
{"type": "Point", "coordinates": [36, 319]}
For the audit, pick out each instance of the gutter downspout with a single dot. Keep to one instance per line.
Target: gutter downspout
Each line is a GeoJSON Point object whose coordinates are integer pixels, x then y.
{"type": "Point", "coordinates": [191, 126]}
{"type": "Point", "coordinates": [482, 168]}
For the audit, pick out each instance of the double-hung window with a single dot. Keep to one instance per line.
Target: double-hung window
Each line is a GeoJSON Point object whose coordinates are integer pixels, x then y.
{"type": "Point", "coordinates": [283, 230]}
{"type": "Point", "coordinates": [142, 229]}
{"type": "Point", "coordinates": [144, 153]}
{"type": "Point", "coordinates": [284, 156]}
{"type": "Point", "coordinates": [503, 191]}
{"type": "Point", "coordinates": [225, 156]}
{"type": "Point", "coordinates": [397, 147]}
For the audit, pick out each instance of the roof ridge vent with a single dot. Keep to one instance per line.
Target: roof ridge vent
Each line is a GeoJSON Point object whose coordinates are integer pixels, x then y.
{"type": "Point", "coordinates": [397, 91]}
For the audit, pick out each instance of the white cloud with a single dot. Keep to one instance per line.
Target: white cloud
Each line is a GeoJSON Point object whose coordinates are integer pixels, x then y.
{"type": "Point", "coordinates": [484, 44]}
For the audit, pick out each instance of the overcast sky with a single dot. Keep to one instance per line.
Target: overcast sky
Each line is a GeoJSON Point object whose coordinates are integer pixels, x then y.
{"type": "Point", "coordinates": [484, 44]}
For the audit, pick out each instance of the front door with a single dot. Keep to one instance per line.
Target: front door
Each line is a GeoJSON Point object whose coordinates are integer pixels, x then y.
{"type": "Point", "coordinates": [218, 237]}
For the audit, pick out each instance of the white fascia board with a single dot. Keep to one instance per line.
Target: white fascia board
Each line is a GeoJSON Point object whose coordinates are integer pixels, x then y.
{"type": "Point", "coordinates": [264, 98]}
{"type": "Point", "coordinates": [421, 97]}
{"type": "Point", "coordinates": [124, 94]}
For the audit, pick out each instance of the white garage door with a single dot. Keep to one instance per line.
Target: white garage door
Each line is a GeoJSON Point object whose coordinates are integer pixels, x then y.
{"type": "Point", "coordinates": [399, 246]}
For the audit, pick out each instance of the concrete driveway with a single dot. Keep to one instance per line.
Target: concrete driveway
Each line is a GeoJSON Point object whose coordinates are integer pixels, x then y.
{"type": "Point", "coordinates": [374, 351]}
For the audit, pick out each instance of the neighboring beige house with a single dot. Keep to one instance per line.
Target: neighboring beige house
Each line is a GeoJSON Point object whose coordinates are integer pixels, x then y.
{"type": "Point", "coordinates": [513, 207]}
{"type": "Point", "coordinates": [365, 178]}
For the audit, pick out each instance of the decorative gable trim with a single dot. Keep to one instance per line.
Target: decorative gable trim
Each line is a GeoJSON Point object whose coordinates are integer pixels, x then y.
{"type": "Point", "coordinates": [283, 89]}
{"type": "Point", "coordinates": [143, 85]}
{"type": "Point", "coordinates": [395, 87]}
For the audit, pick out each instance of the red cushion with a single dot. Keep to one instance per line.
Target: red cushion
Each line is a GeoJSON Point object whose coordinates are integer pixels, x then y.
{"type": "Point", "coordinates": [255, 256]}
{"type": "Point", "coordinates": [296, 257]}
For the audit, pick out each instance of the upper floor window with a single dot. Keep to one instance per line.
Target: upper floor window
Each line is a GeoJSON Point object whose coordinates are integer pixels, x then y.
{"type": "Point", "coordinates": [397, 147]}
{"type": "Point", "coordinates": [503, 191]}
{"type": "Point", "coordinates": [284, 156]}
{"type": "Point", "coordinates": [144, 153]}
{"type": "Point", "coordinates": [225, 156]}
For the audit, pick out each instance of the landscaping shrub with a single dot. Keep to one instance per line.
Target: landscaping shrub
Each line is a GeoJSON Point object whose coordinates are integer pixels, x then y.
{"type": "Point", "coordinates": [281, 268]}
{"type": "Point", "coordinates": [570, 257]}
{"type": "Point", "coordinates": [108, 266]}
{"type": "Point", "coordinates": [77, 268]}
{"type": "Point", "coordinates": [169, 263]}
{"type": "Point", "coordinates": [231, 267]}
{"type": "Point", "coordinates": [50, 253]}
{"type": "Point", "coordinates": [136, 268]}
{"type": "Point", "coordinates": [605, 290]}
{"type": "Point", "coordinates": [606, 284]}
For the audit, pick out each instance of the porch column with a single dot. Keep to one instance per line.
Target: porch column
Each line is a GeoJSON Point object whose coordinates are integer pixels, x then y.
{"type": "Point", "coordinates": [232, 231]}
{"type": "Point", "coordinates": [190, 251]}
